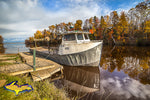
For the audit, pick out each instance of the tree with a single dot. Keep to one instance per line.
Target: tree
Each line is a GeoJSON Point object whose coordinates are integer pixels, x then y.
{"type": "Point", "coordinates": [102, 27]}
{"type": "Point", "coordinates": [86, 26]}
{"type": "Point", "coordinates": [52, 29]}
{"type": "Point", "coordinates": [38, 35]}
{"type": "Point", "coordinates": [1, 39]}
{"type": "Point", "coordinates": [115, 20]}
{"type": "Point", "coordinates": [122, 25]}
{"type": "Point", "coordinates": [147, 28]}
{"type": "Point", "coordinates": [78, 25]}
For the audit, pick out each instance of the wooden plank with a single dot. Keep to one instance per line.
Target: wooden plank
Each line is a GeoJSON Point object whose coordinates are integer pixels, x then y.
{"type": "Point", "coordinates": [43, 74]}
{"type": "Point", "coordinates": [31, 70]}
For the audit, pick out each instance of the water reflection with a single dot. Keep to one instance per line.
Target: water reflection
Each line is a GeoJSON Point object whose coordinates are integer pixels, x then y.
{"type": "Point", "coordinates": [124, 74]}
{"type": "Point", "coordinates": [118, 86]}
{"type": "Point", "coordinates": [133, 61]}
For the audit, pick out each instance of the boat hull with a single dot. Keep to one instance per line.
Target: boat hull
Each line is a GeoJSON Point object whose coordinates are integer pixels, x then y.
{"type": "Point", "coordinates": [89, 57]}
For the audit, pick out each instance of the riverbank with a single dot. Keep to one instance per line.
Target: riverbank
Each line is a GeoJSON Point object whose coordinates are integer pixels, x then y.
{"type": "Point", "coordinates": [128, 42]}
{"type": "Point", "coordinates": [43, 90]}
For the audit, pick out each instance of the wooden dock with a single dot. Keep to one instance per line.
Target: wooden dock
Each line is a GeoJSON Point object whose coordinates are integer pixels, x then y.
{"type": "Point", "coordinates": [44, 68]}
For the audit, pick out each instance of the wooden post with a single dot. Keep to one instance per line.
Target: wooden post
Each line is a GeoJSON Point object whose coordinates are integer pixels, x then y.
{"type": "Point", "coordinates": [34, 63]}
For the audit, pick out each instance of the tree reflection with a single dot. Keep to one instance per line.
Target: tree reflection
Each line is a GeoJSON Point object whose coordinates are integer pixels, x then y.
{"type": "Point", "coordinates": [133, 61]}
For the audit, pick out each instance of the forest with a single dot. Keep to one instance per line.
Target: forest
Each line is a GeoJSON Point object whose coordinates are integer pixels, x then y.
{"type": "Point", "coordinates": [124, 28]}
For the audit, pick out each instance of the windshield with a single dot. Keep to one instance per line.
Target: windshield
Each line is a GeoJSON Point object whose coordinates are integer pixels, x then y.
{"type": "Point", "coordinates": [86, 36]}
{"type": "Point", "coordinates": [80, 36]}
{"type": "Point", "coordinates": [69, 37]}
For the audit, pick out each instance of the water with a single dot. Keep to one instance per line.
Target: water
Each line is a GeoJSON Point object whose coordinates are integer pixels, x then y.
{"type": "Point", "coordinates": [12, 48]}
{"type": "Point", "coordinates": [124, 75]}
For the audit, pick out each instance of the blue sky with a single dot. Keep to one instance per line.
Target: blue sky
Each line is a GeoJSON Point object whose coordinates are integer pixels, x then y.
{"type": "Point", "coordinates": [20, 19]}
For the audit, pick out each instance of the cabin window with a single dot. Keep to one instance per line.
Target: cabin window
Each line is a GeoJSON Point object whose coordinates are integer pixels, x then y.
{"type": "Point", "coordinates": [80, 36]}
{"type": "Point", "coordinates": [86, 36]}
{"type": "Point", "coordinates": [69, 37]}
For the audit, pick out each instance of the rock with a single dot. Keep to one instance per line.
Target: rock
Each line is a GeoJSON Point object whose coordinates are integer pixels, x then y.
{"type": "Point", "coordinates": [2, 82]}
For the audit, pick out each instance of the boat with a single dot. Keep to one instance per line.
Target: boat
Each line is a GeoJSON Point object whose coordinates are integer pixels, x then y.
{"type": "Point", "coordinates": [76, 49]}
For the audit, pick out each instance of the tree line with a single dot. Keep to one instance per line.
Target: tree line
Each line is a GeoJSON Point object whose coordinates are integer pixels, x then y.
{"type": "Point", "coordinates": [2, 49]}
{"type": "Point", "coordinates": [125, 28]}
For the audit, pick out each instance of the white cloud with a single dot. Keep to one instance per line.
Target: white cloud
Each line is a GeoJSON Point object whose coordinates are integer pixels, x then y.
{"type": "Point", "coordinates": [126, 88]}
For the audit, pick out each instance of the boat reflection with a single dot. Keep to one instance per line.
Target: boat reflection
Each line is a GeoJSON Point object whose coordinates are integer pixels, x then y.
{"type": "Point", "coordinates": [81, 79]}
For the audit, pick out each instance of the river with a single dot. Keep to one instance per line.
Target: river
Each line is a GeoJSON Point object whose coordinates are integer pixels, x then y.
{"type": "Point", "coordinates": [13, 48]}
{"type": "Point", "coordinates": [124, 74]}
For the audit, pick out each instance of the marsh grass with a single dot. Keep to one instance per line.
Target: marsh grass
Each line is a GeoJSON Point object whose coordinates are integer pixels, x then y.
{"type": "Point", "coordinates": [43, 90]}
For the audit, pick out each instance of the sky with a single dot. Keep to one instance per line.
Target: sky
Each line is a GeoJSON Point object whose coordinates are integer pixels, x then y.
{"type": "Point", "coordinates": [19, 19]}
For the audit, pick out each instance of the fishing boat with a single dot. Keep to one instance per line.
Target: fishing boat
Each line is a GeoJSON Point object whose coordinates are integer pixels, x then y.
{"type": "Point", "coordinates": [76, 49]}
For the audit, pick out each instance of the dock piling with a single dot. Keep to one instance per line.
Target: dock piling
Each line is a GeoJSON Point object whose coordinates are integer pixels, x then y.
{"type": "Point", "coordinates": [34, 62]}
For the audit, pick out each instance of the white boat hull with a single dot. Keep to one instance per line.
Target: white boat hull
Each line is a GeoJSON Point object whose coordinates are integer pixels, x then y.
{"type": "Point", "coordinates": [90, 57]}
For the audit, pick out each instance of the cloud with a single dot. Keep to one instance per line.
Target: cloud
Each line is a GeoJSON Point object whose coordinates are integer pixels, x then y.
{"type": "Point", "coordinates": [126, 87]}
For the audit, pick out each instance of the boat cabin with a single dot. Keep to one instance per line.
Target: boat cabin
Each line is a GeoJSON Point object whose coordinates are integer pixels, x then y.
{"type": "Point", "coordinates": [76, 37]}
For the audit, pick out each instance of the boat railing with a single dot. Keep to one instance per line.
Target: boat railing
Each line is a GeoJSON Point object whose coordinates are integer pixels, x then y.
{"type": "Point", "coordinates": [53, 50]}
{"type": "Point", "coordinates": [96, 40]}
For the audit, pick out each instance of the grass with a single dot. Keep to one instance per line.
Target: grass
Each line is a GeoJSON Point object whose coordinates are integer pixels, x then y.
{"type": "Point", "coordinates": [5, 63]}
{"type": "Point", "coordinates": [43, 90]}
{"type": "Point", "coordinates": [8, 58]}
{"type": "Point", "coordinates": [14, 55]}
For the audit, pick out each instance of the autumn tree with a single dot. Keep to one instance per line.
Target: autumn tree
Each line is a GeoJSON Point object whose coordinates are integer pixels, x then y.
{"type": "Point", "coordinates": [52, 29]}
{"type": "Point", "coordinates": [70, 26]}
{"type": "Point", "coordinates": [122, 25]}
{"type": "Point", "coordinates": [78, 25]}
{"type": "Point", "coordinates": [102, 27]}
{"type": "Point", "coordinates": [86, 26]}
{"type": "Point", "coordinates": [92, 28]}
{"type": "Point", "coordinates": [115, 20]}
{"type": "Point", "coordinates": [147, 29]}
{"type": "Point", "coordinates": [38, 35]}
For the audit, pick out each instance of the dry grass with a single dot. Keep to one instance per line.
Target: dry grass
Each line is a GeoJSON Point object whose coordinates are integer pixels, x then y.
{"type": "Point", "coordinates": [42, 90]}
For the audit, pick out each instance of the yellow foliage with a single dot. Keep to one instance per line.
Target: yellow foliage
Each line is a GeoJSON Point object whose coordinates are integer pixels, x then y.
{"type": "Point", "coordinates": [31, 39]}
{"type": "Point", "coordinates": [78, 25]}
{"type": "Point", "coordinates": [124, 40]}
{"type": "Point", "coordinates": [144, 64]}
{"type": "Point", "coordinates": [147, 26]}
{"type": "Point", "coordinates": [38, 35]}
{"type": "Point", "coordinates": [119, 37]}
